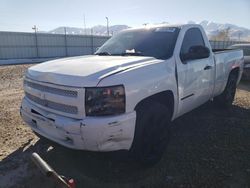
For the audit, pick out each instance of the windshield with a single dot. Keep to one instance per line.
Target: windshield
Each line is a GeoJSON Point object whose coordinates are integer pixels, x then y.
{"type": "Point", "coordinates": [154, 42]}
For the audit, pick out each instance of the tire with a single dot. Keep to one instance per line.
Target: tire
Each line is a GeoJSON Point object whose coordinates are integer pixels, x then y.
{"type": "Point", "coordinates": [152, 133]}
{"type": "Point", "coordinates": [226, 99]}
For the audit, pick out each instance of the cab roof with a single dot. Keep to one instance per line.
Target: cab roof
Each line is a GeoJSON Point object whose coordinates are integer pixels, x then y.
{"type": "Point", "coordinates": [162, 26]}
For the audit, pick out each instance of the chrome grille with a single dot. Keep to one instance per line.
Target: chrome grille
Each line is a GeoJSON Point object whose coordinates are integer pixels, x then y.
{"type": "Point", "coordinates": [57, 91]}
{"type": "Point", "coordinates": [53, 105]}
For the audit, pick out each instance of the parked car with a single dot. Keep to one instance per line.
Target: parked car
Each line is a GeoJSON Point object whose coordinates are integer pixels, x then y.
{"type": "Point", "coordinates": [125, 96]}
{"type": "Point", "coordinates": [246, 53]}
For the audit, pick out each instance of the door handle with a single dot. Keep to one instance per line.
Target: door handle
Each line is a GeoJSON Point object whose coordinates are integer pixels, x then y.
{"type": "Point", "coordinates": [207, 67]}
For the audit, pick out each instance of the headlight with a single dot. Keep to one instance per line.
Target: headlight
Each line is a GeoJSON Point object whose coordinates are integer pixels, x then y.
{"type": "Point", "coordinates": [104, 101]}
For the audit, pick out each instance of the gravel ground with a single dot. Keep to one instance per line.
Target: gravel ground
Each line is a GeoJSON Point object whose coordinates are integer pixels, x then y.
{"type": "Point", "coordinates": [209, 147]}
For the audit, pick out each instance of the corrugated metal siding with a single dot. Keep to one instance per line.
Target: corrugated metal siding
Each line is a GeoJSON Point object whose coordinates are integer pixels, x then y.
{"type": "Point", "coordinates": [14, 45]}
{"type": "Point", "coordinates": [224, 44]}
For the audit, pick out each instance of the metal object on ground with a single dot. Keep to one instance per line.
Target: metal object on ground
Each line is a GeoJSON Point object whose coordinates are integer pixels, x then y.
{"type": "Point", "coordinates": [51, 173]}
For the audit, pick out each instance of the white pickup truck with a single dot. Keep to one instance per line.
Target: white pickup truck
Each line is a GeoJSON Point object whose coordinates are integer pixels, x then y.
{"type": "Point", "coordinates": [126, 95]}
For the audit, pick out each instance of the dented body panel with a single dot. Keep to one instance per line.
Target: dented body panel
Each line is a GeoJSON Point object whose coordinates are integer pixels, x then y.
{"type": "Point", "coordinates": [93, 134]}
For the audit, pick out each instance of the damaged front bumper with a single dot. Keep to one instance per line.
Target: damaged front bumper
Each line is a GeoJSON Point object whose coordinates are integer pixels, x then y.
{"type": "Point", "coordinates": [91, 133]}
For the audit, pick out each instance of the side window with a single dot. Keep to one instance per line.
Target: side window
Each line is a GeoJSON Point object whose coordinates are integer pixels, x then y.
{"type": "Point", "coordinates": [193, 37]}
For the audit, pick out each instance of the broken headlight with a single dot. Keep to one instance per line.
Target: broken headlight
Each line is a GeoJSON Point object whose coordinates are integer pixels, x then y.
{"type": "Point", "coordinates": [104, 101]}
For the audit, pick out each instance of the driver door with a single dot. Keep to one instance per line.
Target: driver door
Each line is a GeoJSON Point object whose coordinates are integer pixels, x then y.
{"type": "Point", "coordinates": [195, 76]}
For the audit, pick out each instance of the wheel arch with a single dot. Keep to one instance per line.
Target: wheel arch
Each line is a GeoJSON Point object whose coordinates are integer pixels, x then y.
{"type": "Point", "coordinates": [165, 97]}
{"type": "Point", "coordinates": [235, 71]}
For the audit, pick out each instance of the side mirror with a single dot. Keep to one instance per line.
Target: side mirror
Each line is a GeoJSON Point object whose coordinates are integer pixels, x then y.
{"type": "Point", "coordinates": [196, 52]}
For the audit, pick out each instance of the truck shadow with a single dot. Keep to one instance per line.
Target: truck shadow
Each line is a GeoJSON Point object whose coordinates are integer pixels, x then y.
{"type": "Point", "coordinates": [244, 85]}
{"type": "Point", "coordinates": [203, 143]}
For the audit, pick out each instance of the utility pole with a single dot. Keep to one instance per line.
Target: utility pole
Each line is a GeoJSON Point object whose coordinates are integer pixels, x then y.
{"type": "Point", "coordinates": [36, 29]}
{"type": "Point", "coordinates": [92, 41]}
{"type": "Point", "coordinates": [107, 25]}
{"type": "Point", "coordinates": [65, 40]}
{"type": "Point", "coordinates": [239, 36]}
{"type": "Point", "coordinates": [84, 20]}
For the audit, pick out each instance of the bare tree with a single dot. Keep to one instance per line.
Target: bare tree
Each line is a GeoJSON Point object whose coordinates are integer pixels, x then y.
{"type": "Point", "coordinates": [223, 35]}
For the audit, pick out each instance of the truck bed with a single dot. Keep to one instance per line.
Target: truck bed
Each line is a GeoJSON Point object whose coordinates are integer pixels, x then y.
{"type": "Point", "coordinates": [225, 60]}
{"type": "Point", "coordinates": [221, 50]}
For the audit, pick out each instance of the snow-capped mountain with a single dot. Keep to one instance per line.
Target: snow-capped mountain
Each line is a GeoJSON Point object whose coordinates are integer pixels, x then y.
{"type": "Point", "coordinates": [235, 32]}
{"type": "Point", "coordinates": [211, 28]}
{"type": "Point", "coordinates": [96, 30]}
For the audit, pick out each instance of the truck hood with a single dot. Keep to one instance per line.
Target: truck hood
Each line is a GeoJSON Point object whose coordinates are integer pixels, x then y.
{"type": "Point", "coordinates": [84, 71]}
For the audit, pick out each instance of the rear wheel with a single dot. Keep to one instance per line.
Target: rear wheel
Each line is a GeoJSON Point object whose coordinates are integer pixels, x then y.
{"type": "Point", "coordinates": [227, 97]}
{"type": "Point", "coordinates": [152, 132]}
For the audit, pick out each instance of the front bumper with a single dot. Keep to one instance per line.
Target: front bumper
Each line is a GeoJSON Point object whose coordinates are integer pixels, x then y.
{"type": "Point", "coordinates": [91, 133]}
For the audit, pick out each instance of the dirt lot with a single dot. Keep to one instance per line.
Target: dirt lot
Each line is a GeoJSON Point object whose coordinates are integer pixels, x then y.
{"type": "Point", "coordinates": [209, 148]}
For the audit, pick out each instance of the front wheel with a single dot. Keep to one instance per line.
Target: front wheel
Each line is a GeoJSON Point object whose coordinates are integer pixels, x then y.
{"type": "Point", "coordinates": [227, 97]}
{"type": "Point", "coordinates": [152, 132]}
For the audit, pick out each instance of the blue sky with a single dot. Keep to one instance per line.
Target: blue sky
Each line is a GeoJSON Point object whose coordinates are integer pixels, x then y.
{"type": "Point", "coordinates": [21, 15]}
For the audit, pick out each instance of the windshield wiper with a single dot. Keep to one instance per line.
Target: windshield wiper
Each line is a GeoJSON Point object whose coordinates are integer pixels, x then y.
{"type": "Point", "coordinates": [131, 54]}
{"type": "Point", "coordinates": [102, 53]}
{"type": "Point", "coordinates": [122, 54]}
